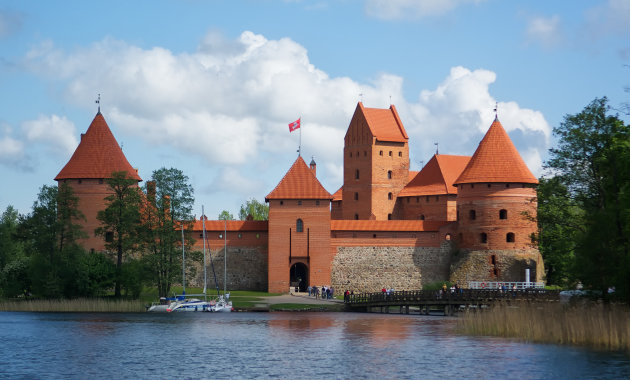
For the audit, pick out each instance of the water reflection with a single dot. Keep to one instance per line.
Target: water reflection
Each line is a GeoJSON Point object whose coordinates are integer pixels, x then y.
{"type": "Point", "coordinates": [282, 345]}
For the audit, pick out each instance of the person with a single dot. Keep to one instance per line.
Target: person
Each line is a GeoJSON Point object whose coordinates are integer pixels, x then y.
{"type": "Point", "coordinates": [444, 288]}
{"type": "Point", "coordinates": [332, 292]}
{"type": "Point", "coordinates": [316, 292]}
{"type": "Point", "coordinates": [310, 288]}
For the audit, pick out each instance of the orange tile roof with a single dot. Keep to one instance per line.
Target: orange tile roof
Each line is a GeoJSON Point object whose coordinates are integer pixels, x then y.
{"type": "Point", "coordinates": [436, 177]}
{"type": "Point", "coordinates": [338, 195]}
{"type": "Point", "coordinates": [496, 160]}
{"type": "Point", "coordinates": [299, 183]}
{"type": "Point", "coordinates": [98, 155]}
{"type": "Point", "coordinates": [232, 225]}
{"type": "Point", "coordinates": [385, 124]}
{"type": "Point", "coordinates": [386, 225]}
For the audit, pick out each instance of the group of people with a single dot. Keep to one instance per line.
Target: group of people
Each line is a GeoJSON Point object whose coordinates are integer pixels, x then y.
{"type": "Point", "coordinates": [325, 292]}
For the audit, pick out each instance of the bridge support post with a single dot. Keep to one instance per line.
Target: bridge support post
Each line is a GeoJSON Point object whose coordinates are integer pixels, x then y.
{"type": "Point", "coordinates": [447, 309]}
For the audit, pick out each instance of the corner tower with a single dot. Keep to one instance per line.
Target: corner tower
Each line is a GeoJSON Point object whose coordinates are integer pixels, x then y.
{"type": "Point", "coordinates": [375, 162]}
{"type": "Point", "coordinates": [496, 211]}
{"type": "Point", "coordinates": [93, 162]}
{"type": "Point", "coordinates": [299, 231]}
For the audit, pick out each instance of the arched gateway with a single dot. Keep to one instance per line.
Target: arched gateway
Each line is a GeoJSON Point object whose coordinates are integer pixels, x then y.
{"type": "Point", "coordinates": [299, 276]}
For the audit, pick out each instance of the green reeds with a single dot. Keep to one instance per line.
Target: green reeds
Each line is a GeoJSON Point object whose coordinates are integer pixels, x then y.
{"type": "Point", "coordinates": [605, 327]}
{"type": "Point", "coordinates": [82, 305]}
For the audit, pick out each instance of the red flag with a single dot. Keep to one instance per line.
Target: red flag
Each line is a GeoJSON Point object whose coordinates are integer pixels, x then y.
{"type": "Point", "coordinates": [295, 125]}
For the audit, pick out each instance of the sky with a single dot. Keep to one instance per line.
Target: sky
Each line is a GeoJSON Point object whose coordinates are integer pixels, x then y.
{"type": "Point", "coordinates": [209, 87]}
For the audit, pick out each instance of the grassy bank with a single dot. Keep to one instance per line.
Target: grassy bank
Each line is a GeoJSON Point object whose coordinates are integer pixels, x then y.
{"type": "Point", "coordinates": [605, 327]}
{"type": "Point", "coordinates": [91, 305]}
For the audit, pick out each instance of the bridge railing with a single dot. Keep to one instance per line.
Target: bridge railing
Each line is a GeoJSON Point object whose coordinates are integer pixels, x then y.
{"type": "Point", "coordinates": [448, 296]}
{"type": "Point", "coordinates": [520, 285]}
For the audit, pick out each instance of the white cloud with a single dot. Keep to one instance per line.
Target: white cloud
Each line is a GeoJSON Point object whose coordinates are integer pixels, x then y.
{"type": "Point", "coordinates": [229, 103]}
{"type": "Point", "coordinates": [411, 9]}
{"type": "Point", "coordinates": [544, 30]}
{"type": "Point", "coordinates": [12, 153]}
{"type": "Point", "coordinates": [460, 110]}
{"type": "Point", "coordinates": [58, 133]}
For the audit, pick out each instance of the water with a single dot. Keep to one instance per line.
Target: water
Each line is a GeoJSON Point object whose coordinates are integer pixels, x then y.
{"type": "Point", "coordinates": [277, 345]}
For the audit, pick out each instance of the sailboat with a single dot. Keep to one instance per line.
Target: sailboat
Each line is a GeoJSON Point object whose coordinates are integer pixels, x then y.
{"type": "Point", "coordinates": [222, 303]}
{"type": "Point", "coordinates": [183, 302]}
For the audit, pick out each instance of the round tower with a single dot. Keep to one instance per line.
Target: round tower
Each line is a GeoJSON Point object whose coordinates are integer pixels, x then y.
{"type": "Point", "coordinates": [93, 162]}
{"type": "Point", "coordinates": [496, 214]}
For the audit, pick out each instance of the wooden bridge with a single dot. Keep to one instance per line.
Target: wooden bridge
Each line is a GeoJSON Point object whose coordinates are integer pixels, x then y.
{"type": "Point", "coordinates": [448, 302]}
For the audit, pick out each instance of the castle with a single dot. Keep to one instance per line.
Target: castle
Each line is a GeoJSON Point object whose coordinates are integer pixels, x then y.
{"type": "Point", "coordinates": [460, 218]}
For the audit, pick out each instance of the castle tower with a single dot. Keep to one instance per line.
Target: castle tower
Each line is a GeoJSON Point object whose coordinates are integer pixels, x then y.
{"type": "Point", "coordinates": [496, 211]}
{"type": "Point", "coordinates": [95, 159]}
{"type": "Point", "coordinates": [299, 231]}
{"type": "Point", "coordinates": [376, 163]}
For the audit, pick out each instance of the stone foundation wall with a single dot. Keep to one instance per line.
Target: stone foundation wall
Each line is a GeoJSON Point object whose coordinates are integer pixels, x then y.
{"type": "Point", "coordinates": [369, 269]}
{"type": "Point", "coordinates": [496, 265]}
{"type": "Point", "coordinates": [246, 270]}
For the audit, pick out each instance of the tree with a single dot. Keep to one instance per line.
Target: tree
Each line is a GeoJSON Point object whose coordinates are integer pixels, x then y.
{"type": "Point", "coordinates": [560, 221]}
{"type": "Point", "coordinates": [121, 220]}
{"type": "Point", "coordinates": [255, 209]}
{"type": "Point", "coordinates": [50, 234]}
{"type": "Point", "coordinates": [225, 215]}
{"type": "Point", "coordinates": [14, 279]}
{"type": "Point", "coordinates": [591, 161]}
{"type": "Point", "coordinates": [169, 208]}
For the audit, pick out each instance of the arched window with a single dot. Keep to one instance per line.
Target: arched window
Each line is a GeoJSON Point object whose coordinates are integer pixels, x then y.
{"type": "Point", "coordinates": [389, 196]}
{"type": "Point", "coordinates": [356, 174]}
{"type": "Point", "coordinates": [484, 237]}
{"type": "Point", "coordinates": [447, 237]}
{"type": "Point", "coordinates": [356, 216]}
{"type": "Point", "coordinates": [472, 214]}
{"type": "Point", "coordinates": [299, 226]}
{"type": "Point", "coordinates": [389, 174]}
{"type": "Point", "coordinates": [389, 216]}
{"type": "Point", "coordinates": [503, 214]}
{"type": "Point", "coordinates": [509, 237]}
{"type": "Point", "coordinates": [356, 196]}
{"type": "Point", "coordinates": [422, 217]}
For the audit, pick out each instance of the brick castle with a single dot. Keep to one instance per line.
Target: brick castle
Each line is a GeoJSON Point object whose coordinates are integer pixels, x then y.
{"type": "Point", "coordinates": [460, 218]}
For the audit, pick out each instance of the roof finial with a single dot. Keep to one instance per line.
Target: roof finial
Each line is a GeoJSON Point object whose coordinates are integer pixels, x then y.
{"type": "Point", "coordinates": [390, 100]}
{"type": "Point", "coordinates": [98, 101]}
{"type": "Point", "coordinates": [496, 111]}
{"type": "Point", "coordinates": [437, 150]}
{"type": "Point", "coordinates": [361, 96]}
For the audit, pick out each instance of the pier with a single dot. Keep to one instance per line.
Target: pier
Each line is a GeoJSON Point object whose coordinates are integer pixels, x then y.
{"type": "Point", "coordinates": [447, 302]}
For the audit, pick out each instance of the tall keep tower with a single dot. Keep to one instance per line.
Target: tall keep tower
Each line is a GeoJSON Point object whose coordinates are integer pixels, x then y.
{"type": "Point", "coordinates": [299, 231]}
{"type": "Point", "coordinates": [376, 163]}
{"type": "Point", "coordinates": [93, 162]}
{"type": "Point", "coordinates": [496, 207]}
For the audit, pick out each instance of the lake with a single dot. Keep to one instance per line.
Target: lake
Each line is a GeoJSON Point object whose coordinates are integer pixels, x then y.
{"type": "Point", "coordinates": [277, 345]}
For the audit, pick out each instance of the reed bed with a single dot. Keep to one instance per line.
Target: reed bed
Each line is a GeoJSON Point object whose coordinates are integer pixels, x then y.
{"type": "Point", "coordinates": [599, 326]}
{"type": "Point", "coordinates": [82, 305]}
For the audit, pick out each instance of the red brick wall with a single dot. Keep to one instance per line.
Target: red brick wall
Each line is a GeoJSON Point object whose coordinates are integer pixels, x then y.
{"type": "Point", "coordinates": [284, 241]}
{"type": "Point", "coordinates": [487, 202]}
{"type": "Point", "coordinates": [433, 207]}
{"type": "Point", "coordinates": [91, 194]}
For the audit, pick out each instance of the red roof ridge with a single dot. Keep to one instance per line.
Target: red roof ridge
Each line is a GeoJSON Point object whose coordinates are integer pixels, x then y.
{"type": "Point", "coordinates": [384, 123]}
{"type": "Point", "coordinates": [496, 160]}
{"type": "Point", "coordinates": [98, 155]}
{"type": "Point", "coordinates": [437, 176]}
{"type": "Point", "coordinates": [299, 183]}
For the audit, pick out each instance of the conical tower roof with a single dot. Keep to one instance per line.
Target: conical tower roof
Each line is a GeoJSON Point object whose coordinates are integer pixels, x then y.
{"type": "Point", "coordinates": [97, 156]}
{"type": "Point", "coordinates": [496, 160]}
{"type": "Point", "coordinates": [299, 183]}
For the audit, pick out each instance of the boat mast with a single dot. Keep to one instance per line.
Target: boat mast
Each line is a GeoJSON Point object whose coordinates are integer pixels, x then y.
{"type": "Point", "coordinates": [183, 262]}
{"type": "Point", "coordinates": [203, 222]}
{"type": "Point", "coordinates": [224, 254]}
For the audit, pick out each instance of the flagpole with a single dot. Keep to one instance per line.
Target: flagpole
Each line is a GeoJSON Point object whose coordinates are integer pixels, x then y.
{"type": "Point", "coordinates": [300, 146]}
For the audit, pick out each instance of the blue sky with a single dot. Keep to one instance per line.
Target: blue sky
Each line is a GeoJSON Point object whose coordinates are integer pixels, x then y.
{"type": "Point", "coordinates": [209, 87]}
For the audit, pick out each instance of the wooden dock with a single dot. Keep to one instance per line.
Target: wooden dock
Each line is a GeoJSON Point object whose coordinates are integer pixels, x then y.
{"type": "Point", "coordinates": [447, 302]}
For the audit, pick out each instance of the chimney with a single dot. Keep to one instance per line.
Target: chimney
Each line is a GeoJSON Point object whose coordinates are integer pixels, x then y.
{"type": "Point", "coordinates": [151, 192]}
{"type": "Point", "coordinates": [313, 166]}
